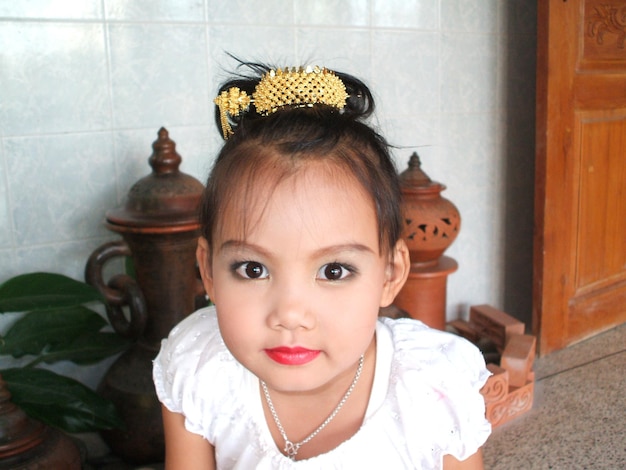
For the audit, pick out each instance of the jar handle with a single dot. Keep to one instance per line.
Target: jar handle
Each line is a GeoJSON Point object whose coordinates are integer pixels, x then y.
{"type": "Point", "coordinates": [121, 290]}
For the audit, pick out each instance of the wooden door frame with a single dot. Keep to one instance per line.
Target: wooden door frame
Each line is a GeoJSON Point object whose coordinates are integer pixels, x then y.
{"type": "Point", "coordinates": [545, 316]}
{"type": "Point", "coordinates": [557, 163]}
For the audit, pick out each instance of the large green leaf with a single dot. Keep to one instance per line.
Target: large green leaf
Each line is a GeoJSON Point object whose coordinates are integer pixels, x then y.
{"type": "Point", "coordinates": [87, 348]}
{"type": "Point", "coordinates": [60, 401]}
{"type": "Point", "coordinates": [36, 291]}
{"type": "Point", "coordinates": [41, 330]}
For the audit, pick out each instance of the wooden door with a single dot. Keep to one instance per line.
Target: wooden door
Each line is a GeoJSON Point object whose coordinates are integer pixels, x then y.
{"type": "Point", "coordinates": [580, 194]}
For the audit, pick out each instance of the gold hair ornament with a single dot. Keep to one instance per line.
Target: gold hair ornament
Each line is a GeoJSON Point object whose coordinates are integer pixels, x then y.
{"type": "Point", "coordinates": [278, 88]}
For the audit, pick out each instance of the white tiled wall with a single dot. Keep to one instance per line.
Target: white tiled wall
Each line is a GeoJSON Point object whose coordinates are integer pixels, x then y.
{"type": "Point", "coordinates": [85, 85]}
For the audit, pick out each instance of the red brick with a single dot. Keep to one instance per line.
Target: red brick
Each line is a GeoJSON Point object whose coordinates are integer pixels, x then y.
{"type": "Point", "coordinates": [495, 324]}
{"type": "Point", "coordinates": [518, 358]}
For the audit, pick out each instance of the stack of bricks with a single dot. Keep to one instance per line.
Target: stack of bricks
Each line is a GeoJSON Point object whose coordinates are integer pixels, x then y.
{"type": "Point", "coordinates": [509, 391]}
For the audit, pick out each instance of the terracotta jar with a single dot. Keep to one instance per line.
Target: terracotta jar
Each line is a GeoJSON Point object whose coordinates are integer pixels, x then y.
{"type": "Point", "coordinates": [27, 444]}
{"type": "Point", "coordinates": [159, 226]}
{"type": "Point", "coordinates": [432, 222]}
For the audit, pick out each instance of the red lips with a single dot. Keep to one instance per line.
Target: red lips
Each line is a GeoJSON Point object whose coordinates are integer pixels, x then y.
{"type": "Point", "coordinates": [292, 356]}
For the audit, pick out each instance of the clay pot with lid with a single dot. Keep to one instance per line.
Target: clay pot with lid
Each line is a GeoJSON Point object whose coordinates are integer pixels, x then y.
{"type": "Point", "coordinates": [27, 444]}
{"type": "Point", "coordinates": [160, 229]}
{"type": "Point", "coordinates": [432, 222]}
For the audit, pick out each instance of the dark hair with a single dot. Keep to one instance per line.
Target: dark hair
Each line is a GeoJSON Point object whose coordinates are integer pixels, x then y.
{"type": "Point", "coordinates": [266, 149]}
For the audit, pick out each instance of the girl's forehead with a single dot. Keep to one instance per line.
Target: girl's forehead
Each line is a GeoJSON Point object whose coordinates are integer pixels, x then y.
{"type": "Point", "coordinates": [310, 187]}
{"type": "Point", "coordinates": [261, 183]}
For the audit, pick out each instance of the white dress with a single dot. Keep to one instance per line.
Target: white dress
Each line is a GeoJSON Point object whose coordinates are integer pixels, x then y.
{"type": "Point", "coordinates": [425, 400]}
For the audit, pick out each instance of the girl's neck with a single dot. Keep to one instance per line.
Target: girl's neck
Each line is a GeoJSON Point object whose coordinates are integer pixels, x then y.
{"type": "Point", "coordinates": [301, 413]}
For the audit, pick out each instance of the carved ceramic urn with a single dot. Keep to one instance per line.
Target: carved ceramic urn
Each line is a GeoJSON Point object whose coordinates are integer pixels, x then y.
{"type": "Point", "coordinates": [431, 224]}
{"type": "Point", "coordinates": [159, 226]}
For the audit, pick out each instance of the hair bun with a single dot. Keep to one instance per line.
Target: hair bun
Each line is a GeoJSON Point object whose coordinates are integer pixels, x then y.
{"type": "Point", "coordinates": [360, 102]}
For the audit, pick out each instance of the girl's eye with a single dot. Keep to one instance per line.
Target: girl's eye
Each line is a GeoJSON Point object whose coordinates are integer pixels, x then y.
{"type": "Point", "coordinates": [251, 270]}
{"type": "Point", "coordinates": [334, 272]}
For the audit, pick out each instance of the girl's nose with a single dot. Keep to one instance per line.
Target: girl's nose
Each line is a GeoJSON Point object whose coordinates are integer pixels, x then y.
{"type": "Point", "coordinates": [292, 307]}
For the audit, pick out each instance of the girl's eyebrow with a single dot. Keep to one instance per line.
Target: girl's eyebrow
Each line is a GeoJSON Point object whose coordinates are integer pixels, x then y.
{"type": "Point", "coordinates": [342, 248]}
{"type": "Point", "coordinates": [234, 245]}
{"type": "Point", "coordinates": [324, 251]}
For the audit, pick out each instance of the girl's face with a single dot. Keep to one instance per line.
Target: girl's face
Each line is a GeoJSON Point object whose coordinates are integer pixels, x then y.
{"type": "Point", "coordinates": [297, 297]}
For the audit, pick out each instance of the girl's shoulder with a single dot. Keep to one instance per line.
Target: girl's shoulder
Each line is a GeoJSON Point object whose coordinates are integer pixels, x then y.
{"type": "Point", "coordinates": [194, 373]}
{"type": "Point", "coordinates": [191, 342]}
{"type": "Point", "coordinates": [433, 388]}
{"type": "Point", "coordinates": [419, 347]}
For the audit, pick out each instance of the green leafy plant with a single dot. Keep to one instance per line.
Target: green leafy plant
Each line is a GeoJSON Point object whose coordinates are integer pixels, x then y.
{"type": "Point", "coordinates": [57, 326]}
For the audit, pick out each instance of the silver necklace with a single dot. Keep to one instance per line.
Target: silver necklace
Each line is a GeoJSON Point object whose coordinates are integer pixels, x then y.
{"type": "Point", "coordinates": [292, 448]}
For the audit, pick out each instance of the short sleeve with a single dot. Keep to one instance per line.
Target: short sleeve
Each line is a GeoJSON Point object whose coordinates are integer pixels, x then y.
{"type": "Point", "coordinates": [437, 377]}
{"type": "Point", "coordinates": [189, 364]}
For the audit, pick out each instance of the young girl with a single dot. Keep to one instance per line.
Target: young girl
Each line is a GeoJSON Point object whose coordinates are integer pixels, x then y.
{"type": "Point", "coordinates": [292, 367]}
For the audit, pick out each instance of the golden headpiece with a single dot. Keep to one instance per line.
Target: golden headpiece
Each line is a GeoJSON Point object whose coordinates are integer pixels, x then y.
{"type": "Point", "coordinates": [277, 88]}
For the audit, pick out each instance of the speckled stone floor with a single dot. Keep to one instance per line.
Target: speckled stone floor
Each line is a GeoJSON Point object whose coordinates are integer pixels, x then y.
{"type": "Point", "coordinates": [578, 419]}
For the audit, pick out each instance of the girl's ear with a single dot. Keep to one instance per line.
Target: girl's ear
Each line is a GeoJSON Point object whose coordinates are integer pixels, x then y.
{"type": "Point", "coordinates": [203, 258]}
{"type": "Point", "coordinates": [397, 273]}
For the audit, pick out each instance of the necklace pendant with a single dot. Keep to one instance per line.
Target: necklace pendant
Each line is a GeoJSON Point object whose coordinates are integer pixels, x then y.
{"type": "Point", "coordinates": [291, 449]}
